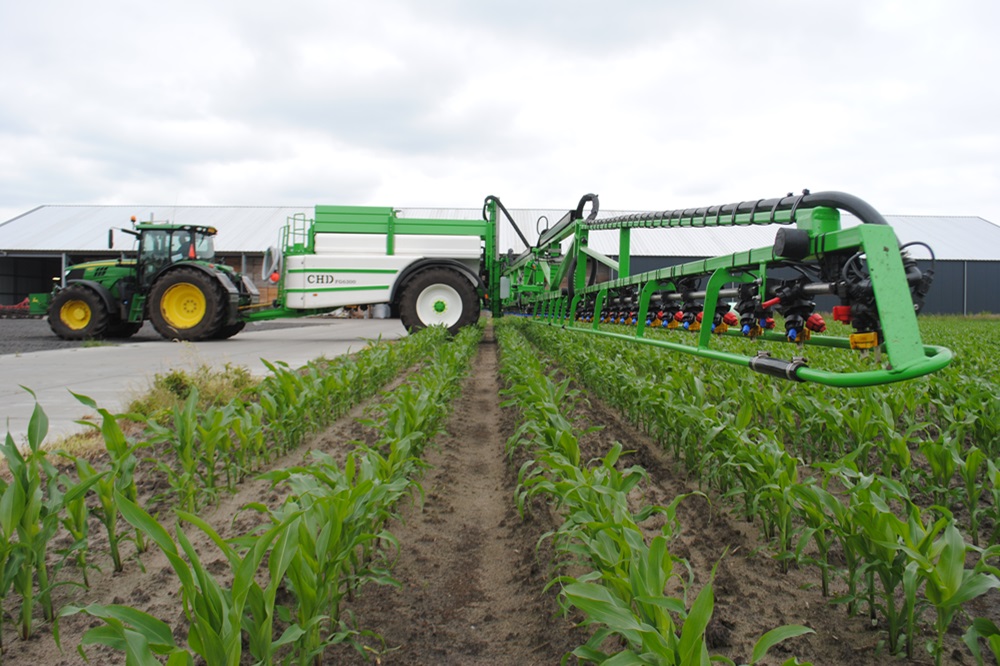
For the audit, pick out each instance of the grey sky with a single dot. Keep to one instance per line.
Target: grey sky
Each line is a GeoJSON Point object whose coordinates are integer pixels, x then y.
{"type": "Point", "coordinates": [438, 103]}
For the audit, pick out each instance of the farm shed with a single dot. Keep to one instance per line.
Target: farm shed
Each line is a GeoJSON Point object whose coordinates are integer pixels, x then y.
{"type": "Point", "coordinates": [35, 246]}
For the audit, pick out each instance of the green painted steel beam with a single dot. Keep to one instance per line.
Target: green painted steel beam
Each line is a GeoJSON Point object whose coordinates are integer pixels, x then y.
{"type": "Point", "coordinates": [598, 257]}
{"type": "Point", "coordinates": [933, 359]}
{"type": "Point", "coordinates": [624, 252]}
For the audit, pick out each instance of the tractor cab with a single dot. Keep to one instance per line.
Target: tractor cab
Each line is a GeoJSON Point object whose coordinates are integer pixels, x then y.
{"type": "Point", "coordinates": [161, 245]}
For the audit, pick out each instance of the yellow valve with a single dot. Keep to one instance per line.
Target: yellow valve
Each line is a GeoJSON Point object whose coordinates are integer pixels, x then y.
{"type": "Point", "coordinates": [803, 335]}
{"type": "Point", "coordinates": [864, 340]}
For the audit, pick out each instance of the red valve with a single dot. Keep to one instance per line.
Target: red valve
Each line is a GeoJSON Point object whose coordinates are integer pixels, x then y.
{"type": "Point", "coordinates": [701, 315]}
{"type": "Point", "coordinates": [815, 323]}
{"type": "Point", "coordinates": [767, 323]}
{"type": "Point", "coordinates": [842, 313]}
{"type": "Point", "coordinates": [730, 319]}
{"type": "Point", "coordinates": [678, 316]}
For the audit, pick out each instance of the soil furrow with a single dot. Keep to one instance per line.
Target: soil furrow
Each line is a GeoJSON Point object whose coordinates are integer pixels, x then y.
{"type": "Point", "coordinates": [471, 585]}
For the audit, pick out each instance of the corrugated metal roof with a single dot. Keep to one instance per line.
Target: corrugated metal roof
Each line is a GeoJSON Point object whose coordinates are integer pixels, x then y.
{"type": "Point", "coordinates": [85, 228]}
{"type": "Point", "coordinates": [965, 238]}
{"type": "Point", "coordinates": [959, 238]}
{"type": "Point", "coordinates": [251, 229]}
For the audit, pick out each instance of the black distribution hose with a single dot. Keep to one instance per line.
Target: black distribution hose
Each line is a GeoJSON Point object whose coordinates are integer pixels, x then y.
{"type": "Point", "coordinates": [571, 290]}
{"type": "Point", "coordinates": [840, 200]}
{"type": "Point", "coordinates": [595, 206]}
{"type": "Point", "coordinates": [509, 218]}
{"type": "Point", "coordinates": [924, 245]}
{"type": "Point", "coordinates": [571, 217]}
{"type": "Point", "coordinates": [857, 207]}
{"type": "Point", "coordinates": [572, 271]}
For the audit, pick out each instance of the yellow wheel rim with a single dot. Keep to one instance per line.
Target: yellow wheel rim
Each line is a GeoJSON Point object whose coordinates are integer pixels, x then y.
{"type": "Point", "coordinates": [183, 306]}
{"type": "Point", "coordinates": [75, 314]}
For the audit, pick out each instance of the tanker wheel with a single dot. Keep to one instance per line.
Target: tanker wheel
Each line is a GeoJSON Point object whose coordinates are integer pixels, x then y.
{"type": "Point", "coordinates": [123, 329]}
{"type": "Point", "coordinates": [186, 304]}
{"type": "Point", "coordinates": [438, 297]}
{"type": "Point", "coordinates": [78, 313]}
{"type": "Point", "coordinates": [227, 331]}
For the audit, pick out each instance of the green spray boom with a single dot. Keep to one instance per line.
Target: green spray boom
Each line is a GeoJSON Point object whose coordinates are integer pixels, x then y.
{"type": "Point", "coordinates": [879, 287]}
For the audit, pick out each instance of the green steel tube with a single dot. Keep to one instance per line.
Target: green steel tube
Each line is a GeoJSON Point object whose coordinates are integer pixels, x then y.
{"type": "Point", "coordinates": [935, 358]}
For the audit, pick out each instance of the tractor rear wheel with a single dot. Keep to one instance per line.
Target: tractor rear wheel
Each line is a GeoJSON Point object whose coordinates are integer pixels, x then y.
{"type": "Point", "coordinates": [78, 313]}
{"type": "Point", "coordinates": [187, 304]}
{"type": "Point", "coordinates": [438, 297]}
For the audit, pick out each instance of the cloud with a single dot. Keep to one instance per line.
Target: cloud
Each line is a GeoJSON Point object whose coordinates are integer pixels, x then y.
{"type": "Point", "coordinates": [438, 103]}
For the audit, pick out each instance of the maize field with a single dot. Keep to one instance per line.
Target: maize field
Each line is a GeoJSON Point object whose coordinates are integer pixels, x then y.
{"type": "Point", "coordinates": [520, 494]}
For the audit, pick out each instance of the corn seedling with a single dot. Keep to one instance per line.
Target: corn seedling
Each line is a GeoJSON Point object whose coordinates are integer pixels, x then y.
{"type": "Point", "coordinates": [38, 503]}
{"type": "Point", "coordinates": [75, 520]}
{"type": "Point", "coordinates": [215, 612]}
{"type": "Point", "coordinates": [817, 508]}
{"type": "Point", "coordinates": [13, 554]}
{"type": "Point", "coordinates": [947, 583]}
{"type": "Point", "coordinates": [943, 459]}
{"type": "Point", "coordinates": [986, 630]}
{"type": "Point", "coordinates": [970, 467]}
{"type": "Point", "coordinates": [181, 438]}
{"type": "Point", "coordinates": [120, 477]}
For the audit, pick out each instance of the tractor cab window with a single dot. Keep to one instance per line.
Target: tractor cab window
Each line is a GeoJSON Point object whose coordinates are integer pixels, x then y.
{"type": "Point", "coordinates": [162, 247]}
{"type": "Point", "coordinates": [154, 252]}
{"type": "Point", "coordinates": [187, 245]}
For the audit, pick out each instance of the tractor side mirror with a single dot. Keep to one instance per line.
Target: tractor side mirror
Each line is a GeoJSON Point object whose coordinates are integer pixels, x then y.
{"type": "Point", "coordinates": [111, 239]}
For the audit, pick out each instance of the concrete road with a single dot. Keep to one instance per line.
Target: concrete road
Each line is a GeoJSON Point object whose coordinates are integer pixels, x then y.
{"type": "Point", "coordinates": [114, 374]}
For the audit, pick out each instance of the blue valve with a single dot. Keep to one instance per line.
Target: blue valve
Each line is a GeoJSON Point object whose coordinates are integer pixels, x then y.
{"type": "Point", "coordinates": [746, 329]}
{"type": "Point", "coordinates": [792, 334]}
{"type": "Point", "coordinates": [687, 325]}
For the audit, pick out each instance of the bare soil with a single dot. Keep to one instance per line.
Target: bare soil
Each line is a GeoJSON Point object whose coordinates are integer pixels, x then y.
{"type": "Point", "coordinates": [472, 586]}
{"type": "Point", "coordinates": [471, 575]}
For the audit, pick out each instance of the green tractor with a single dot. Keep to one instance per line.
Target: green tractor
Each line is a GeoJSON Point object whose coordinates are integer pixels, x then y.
{"type": "Point", "coordinates": [173, 281]}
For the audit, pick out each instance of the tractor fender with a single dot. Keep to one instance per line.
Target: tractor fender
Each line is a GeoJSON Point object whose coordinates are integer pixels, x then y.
{"type": "Point", "coordinates": [217, 274]}
{"type": "Point", "coordinates": [113, 306]}
{"type": "Point", "coordinates": [424, 264]}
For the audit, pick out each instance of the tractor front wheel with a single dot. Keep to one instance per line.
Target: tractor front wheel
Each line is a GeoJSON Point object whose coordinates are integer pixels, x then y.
{"type": "Point", "coordinates": [438, 297]}
{"type": "Point", "coordinates": [78, 313]}
{"type": "Point", "coordinates": [187, 304]}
